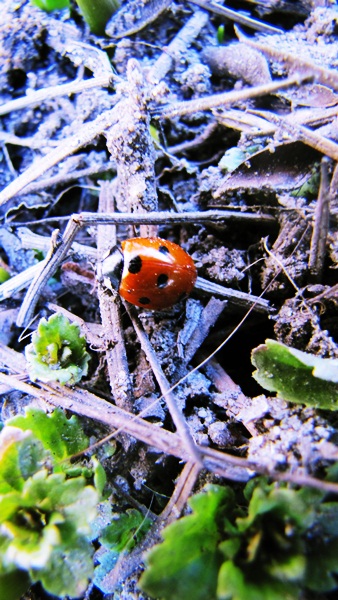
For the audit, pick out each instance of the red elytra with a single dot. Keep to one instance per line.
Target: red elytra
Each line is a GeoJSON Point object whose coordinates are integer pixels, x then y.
{"type": "Point", "coordinates": [156, 273]}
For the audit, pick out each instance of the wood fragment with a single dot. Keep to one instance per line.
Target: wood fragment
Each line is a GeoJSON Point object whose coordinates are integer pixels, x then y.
{"type": "Point", "coordinates": [236, 16]}
{"type": "Point", "coordinates": [177, 47]}
{"type": "Point", "coordinates": [35, 98]}
{"type": "Point", "coordinates": [208, 318]}
{"type": "Point", "coordinates": [110, 305]}
{"type": "Point", "coordinates": [187, 107]}
{"type": "Point", "coordinates": [320, 226]}
{"type": "Point", "coordinates": [130, 144]}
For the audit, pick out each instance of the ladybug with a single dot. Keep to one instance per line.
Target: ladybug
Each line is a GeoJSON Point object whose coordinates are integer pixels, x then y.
{"type": "Point", "coordinates": [150, 272]}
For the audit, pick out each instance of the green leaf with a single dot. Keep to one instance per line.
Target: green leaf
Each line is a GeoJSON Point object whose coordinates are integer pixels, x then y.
{"type": "Point", "coordinates": [125, 531]}
{"type": "Point", "coordinates": [232, 159]}
{"type": "Point", "coordinates": [186, 564]}
{"type": "Point", "coordinates": [9, 504]}
{"type": "Point", "coordinates": [100, 478]}
{"type": "Point", "coordinates": [297, 376]}
{"type": "Point", "coordinates": [284, 503]}
{"type": "Point", "coordinates": [233, 585]}
{"type": "Point", "coordinates": [97, 13]}
{"type": "Point", "coordinates": [327, 519]}
{"type": "Point", "coordinates": [220, 34]}
{"type": "Point", "coordinates": [45, 531]}
{"type": "Point", "coordinates": [280, 547]}
{"type": "Point", "coordinates": [61, 436]}
{"type": "Point", "coordinates": [50, 5]}
{"type": "Point", "coordinates": [21, 454]}
{"type": "Point", "coordinates": [45, 518]}
{"type": "Point", "coordinates": [57, 352]}
{"type": "Point", "coordinates": [290, 569]}
{"type": "Point", "coordinates": [322, 564]}
{"type": "Point", "coordinates": [121, 535]}
{"type": "Point", "coordinates": [4, 275]}
{"type": "Point", "coordinates": [14, 584]}
{"type": "Point", "coordinates": [68, 570]}
{"type": "Point", "coordinates": [309, 189]}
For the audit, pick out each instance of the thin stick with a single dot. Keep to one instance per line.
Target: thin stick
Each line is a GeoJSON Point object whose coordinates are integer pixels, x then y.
{"type": "Point", "coordinates": [206, 321]}
{"type": "Point", "coordinates": [58, 251]}
{"type": "Point", "coordinates": [307, 136]}
{"type": "Point", "coordinates": [179, 498]}
{"type": "Point", "coordinates": [227, 98]}
{"type": "Point", "coordinates": [237, 17]}
{"type": "Point", "coordinates": [115, 350]}
{"type": "Point", "coordinates": [64, 178]}
{"type": "Point", "coordinates": [239, 298]}
{"type": "Point", "coordinates": [84, 403]}
{"type": "Point", "coordinates": [178, 46]}
{"type": "Point", "coordinates": [320, 225]}
{"type": "Point", "coordinates": [61, 247]}
{"type": "Point", "coordinates": [88, 219]}
{"type": "Point", "coordinates": [35, 98]}
{"type": "Point", "coordinates": [20, 281]}
{"type": "Point", "coordinates": [176, 414]}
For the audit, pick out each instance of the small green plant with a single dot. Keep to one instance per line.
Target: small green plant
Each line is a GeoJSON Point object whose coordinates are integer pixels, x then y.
{"type": "Point", "coordinates": [272, 543]}
{"type": "Point", "coordinates": [57, 352]}
{"type": "Point", "coordinates": [97, 13]}
{"type": "Point", "coordinates": [220, 34]}
{"type": "Point", "coordinates": [120, 536]}
{"type": "Point", "coordinates": [297, 376]}
{"type": "Point", "coordinates": [4, 275]}
{"type": "Point", "coordinates": [45, 511]}
{"type": "Point", "coordinates": [60, 437]}
{"type": "Point", "coordinates": [309, 189]}
{"type": "Point", "coordinates": [50, 5]}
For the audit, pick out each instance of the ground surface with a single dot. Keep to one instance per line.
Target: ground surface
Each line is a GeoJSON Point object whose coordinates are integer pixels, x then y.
{"type": "Point", "coordinates": [257, 153]}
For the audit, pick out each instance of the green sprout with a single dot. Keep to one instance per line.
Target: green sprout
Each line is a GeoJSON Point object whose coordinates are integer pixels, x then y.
{"type": "Point", "coordinates": [50, 5]}
{"type": "Point", "coordinates": [4, 275]}
{"type": "Point", "coordinates": [220, 34]}
{"type": "Point", "coordinates": [57, 352]}
{"type": "Point", "coordinates": [97, 13]}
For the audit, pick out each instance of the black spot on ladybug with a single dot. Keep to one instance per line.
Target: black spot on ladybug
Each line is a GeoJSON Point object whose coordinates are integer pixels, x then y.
{"type": "Point", "coordinates": [162, 280]}
{"type": "Point", "coordinates": [164, 250]}
{"type": "Point", "coordinates": [144, 300]}
{"type": "Point", "coordinates": [135, 265]}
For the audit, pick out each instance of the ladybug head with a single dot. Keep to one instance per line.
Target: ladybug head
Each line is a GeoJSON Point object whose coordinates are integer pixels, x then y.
{"type": "Point", "coordinates": [111, 268]}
